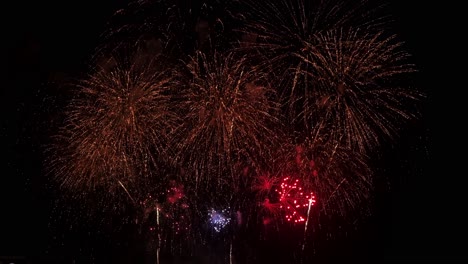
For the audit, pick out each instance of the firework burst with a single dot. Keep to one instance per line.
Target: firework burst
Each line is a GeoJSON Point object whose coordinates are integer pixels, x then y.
{"type": "Point", "coordinates": [339, 178]}
{"type": "Point", "coordinates": [228, 118]}
{"type": "Point", "coordinates": [353, 95]}
{"type": "Point", "coordinates": [293, 198]}
{"type": "Point", "coordinates": [116, 129]}
{"type": "Point", "coordinates": [336, 71]}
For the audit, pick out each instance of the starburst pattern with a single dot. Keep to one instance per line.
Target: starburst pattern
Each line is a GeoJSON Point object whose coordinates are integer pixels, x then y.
{"type": "Point", "coordinates": [219, 219]}
{"type": "Point", "coordinates": [228, 116]}
{"type": "Point", "coordinates": [352, 96]}
{"type": "Point", "coordinates": [293, 199]}
{"type": "Point", "coordinates": [335, 70]}
{"type": "Point", "coordinates": [117, 127]}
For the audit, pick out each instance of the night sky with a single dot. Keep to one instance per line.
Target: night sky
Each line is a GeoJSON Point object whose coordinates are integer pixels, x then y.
{"type": "Point", "coordinates": [418, 215]}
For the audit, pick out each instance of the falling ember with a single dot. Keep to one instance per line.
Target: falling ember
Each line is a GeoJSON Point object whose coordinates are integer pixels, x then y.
{"type": "Point", "coordinates": [293, 200]}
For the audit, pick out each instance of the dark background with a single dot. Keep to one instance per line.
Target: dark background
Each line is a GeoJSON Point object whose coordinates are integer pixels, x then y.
{"type": "Point", "coordinates": [419, 215]}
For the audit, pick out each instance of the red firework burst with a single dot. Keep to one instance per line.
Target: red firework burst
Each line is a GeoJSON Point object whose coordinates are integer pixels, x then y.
{"type": "Point", "coordinates": [294, 200]}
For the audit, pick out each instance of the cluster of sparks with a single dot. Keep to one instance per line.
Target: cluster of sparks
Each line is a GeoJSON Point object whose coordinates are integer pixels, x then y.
{"type": "Point", "coordinates": [219, 219]}
{"type": "Point", "coordinates": [309, 89]}
{"type": "Point", "coordinates": [293, 198]}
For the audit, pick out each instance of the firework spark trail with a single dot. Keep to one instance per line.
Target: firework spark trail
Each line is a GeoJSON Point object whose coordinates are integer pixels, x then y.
{"type": "Point", "coordinates": [229, 118]}
{"type": "Point", "coordinates": [158, 245]}
{"type": "Point", "coordinates": [334, 191]}
{"type": "Point", "coordinates": [126, 191]}
{"type": "Point", "coordinates": [306, 225]}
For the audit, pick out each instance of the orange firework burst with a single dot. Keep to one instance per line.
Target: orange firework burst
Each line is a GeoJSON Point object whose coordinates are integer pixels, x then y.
{"type": "Point", "coordinates": [229, 117]}
{"type": "Point", "coordinates": [116, 129]}
{"type": "Point", "coordinates": [335, 67]}
{"type": "Point", "coordinates": [353, 94]}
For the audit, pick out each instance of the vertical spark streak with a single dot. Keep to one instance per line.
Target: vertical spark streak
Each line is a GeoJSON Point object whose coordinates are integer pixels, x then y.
{"type": "Point", "coordinates": [230, 253]}
{"type": "Point", "coordinates": [306, 223]}
{"type": "Point", "coordinates": [159, 236]}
